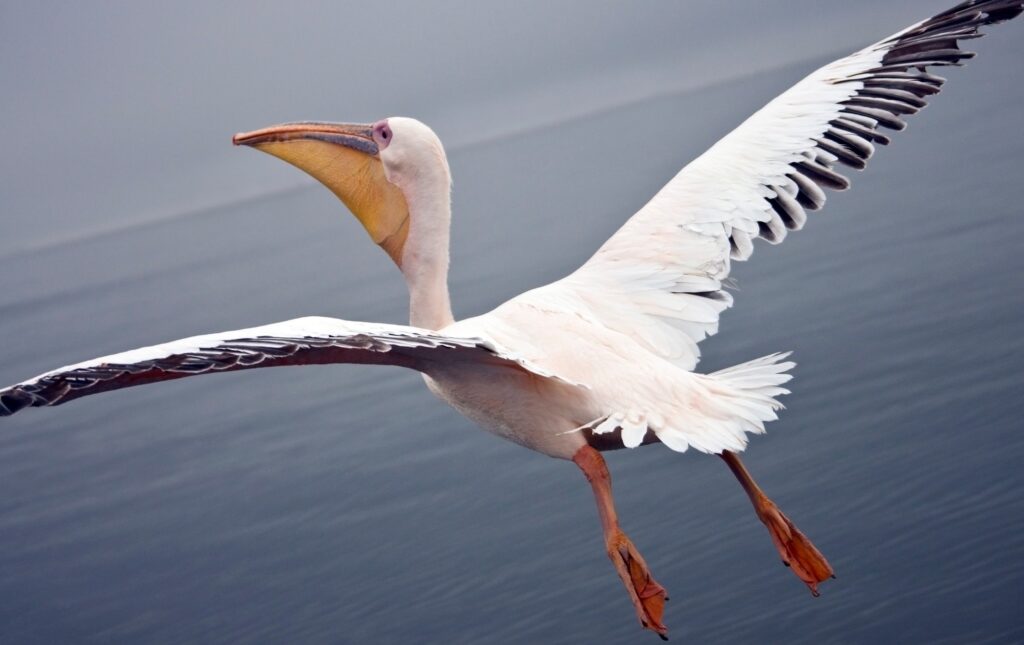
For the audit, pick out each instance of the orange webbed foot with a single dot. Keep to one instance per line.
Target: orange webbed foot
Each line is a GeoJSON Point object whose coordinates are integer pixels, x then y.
{"type": "Point", "coordinates": [796, 551]}
{"type": "Point", "coordinates": [647, 595]}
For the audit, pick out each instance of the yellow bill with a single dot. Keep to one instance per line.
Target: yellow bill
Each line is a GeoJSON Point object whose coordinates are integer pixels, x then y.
{"type": "Point", "coordinates": [345, 159]}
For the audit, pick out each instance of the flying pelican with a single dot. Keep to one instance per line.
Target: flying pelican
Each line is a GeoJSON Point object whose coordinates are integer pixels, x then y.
{"type": "Point", "coordinates": [603, 358]}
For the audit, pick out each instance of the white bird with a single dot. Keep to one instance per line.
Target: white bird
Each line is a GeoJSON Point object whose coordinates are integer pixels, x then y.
{"type": "Point", "coordinates": [605, 357]}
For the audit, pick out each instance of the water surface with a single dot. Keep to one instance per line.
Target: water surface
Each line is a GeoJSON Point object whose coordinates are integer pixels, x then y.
{"type": "Point", "coordinates": [344, 504]}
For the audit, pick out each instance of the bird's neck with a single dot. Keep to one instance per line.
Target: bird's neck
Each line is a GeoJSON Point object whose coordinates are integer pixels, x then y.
{"type": "Point", "coordinates": [425, 256]}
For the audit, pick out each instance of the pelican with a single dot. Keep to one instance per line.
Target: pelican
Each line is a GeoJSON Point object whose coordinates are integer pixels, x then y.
{"type": "Point", "coordinates": [604, 358]}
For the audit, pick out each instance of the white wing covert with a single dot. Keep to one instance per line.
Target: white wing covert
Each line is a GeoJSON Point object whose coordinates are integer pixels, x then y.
{"type": "Point", "coordinates": [659, 279]}
{"type": "Point", "coordinates": [303, 341]}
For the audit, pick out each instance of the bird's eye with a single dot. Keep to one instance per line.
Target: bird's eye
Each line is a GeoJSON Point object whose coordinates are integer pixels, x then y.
{"type": "Point", "coordinates": [382, 134]}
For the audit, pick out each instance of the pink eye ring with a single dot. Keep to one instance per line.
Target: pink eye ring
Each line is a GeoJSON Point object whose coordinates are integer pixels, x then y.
{"type": "Point", "coordinates": [382, 134]}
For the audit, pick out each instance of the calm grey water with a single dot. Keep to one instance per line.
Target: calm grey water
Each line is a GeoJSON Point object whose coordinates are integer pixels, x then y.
{"type": "Point", "coordinates": [344, 504]}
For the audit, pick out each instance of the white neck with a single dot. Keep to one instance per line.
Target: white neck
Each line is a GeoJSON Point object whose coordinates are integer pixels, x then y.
{"type": "Point", "coordinates": [425, 256]}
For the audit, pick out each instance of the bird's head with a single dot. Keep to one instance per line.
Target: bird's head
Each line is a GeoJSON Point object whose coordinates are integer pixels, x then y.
{"type": "Point", "coordinates": [378, 170]}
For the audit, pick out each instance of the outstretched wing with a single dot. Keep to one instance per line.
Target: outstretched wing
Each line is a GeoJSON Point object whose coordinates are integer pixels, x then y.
{"type": "Point", "coordinates": [659, 278]}
{"type": "Point", "coordinates": [303, 341]}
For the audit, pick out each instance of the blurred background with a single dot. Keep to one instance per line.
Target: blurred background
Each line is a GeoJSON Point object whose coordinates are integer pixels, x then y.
{"type": "Point", "coordinates": [343, 504]}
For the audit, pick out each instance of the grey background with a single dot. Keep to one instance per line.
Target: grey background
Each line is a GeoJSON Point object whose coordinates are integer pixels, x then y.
{"type": "Point", "coordinates": [344, 504]}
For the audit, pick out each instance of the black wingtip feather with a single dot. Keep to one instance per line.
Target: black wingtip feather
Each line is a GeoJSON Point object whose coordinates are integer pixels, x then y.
{"type": "Point", "coordinates": [995, 10]}
{"type": "Point", "coordinates": [1002, 15]}
{"type": "Point", "coordinates": [884, 119]}
{"type": "Point", "coordinates": [822, 176]}
{"type": "Point", "coordinates": [897, 85]}
{"type": "Point", "coordinates": [12, 401]}
{"type": "Point", "coordinates": [893, 94]}
{"type": "Point", "coordinates": [889, 105]}
{"type": "Point", "coordinates": [843, 153]}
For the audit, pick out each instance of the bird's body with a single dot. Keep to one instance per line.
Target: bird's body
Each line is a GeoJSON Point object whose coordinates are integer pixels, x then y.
{"type": "Point", "coordinates": [606, 357]}
{"type": "Point", "coordinates": [611, 380]}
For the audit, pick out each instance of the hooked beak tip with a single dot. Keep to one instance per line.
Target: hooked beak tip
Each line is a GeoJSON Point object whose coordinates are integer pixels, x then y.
{"type": "Point", "coordinates": [240, 138]}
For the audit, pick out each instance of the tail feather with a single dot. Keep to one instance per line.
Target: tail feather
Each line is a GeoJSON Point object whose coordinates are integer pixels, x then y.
{"type": "Point", "coordinates": [713, 412]}
{"type": "Point", "coordinates": [750, 390]}
{"type": "Point", "coordinates": [762, 375]}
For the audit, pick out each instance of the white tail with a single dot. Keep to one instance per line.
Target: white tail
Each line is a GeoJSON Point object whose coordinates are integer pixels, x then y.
{"type": "Point", "coordinates": [752, 388]}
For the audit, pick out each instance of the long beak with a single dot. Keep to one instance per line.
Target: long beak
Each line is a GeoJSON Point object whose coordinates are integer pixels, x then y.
{"type": "Point", "coordinates": [345, 159]}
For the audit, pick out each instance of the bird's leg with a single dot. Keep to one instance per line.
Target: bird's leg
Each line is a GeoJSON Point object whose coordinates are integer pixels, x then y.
{"type": "Point", "coordinates": [647, 595]}
{"type": "Point", "coordinates": [796, 550]}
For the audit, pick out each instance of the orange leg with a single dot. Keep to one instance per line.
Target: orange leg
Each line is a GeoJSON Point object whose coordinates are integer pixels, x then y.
{"type": "Point", "coordinates": [796, 551]}
{"type": "Point", "coordinates": [647, 595]}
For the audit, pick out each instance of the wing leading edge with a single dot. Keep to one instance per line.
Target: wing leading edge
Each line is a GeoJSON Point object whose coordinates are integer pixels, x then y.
{"type": "Point", "coordinates": [660, 278]}
{"type": "Point", "coordinates": [303, 341]}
